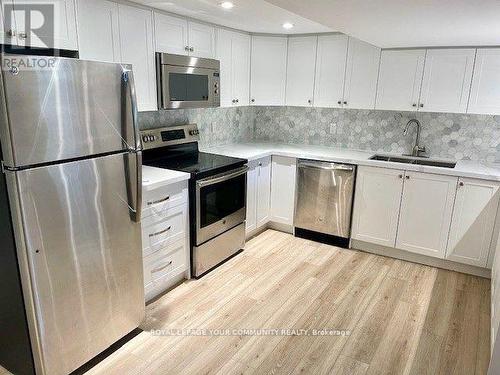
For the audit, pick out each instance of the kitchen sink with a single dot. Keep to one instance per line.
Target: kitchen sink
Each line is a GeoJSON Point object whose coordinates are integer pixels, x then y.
{"type": "Point", "coordinates": [413, 160]}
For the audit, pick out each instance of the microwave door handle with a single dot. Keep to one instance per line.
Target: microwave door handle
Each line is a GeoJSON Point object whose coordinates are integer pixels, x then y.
{"type": "Point", "coordinates": [130, 113]}
{"type": "Point", "coordinates": [225, 177]}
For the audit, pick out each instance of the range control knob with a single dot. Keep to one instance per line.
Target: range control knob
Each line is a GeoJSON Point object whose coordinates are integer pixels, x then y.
{"type": "Point", "coordinates": [145, 138]}
{"type": "Point", "coordinates": [151, 138]}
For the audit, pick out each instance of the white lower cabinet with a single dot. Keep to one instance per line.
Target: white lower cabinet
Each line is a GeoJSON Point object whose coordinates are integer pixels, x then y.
{"type": "Point", "coordinates": [283, 190]}
{"type": "Point", "coordinates": [425, 215]}
{"type": "Point", "coordinates": [473, 221]}
{"type": "Point", "coordinates": [258, 193]}
{"type": "Point", "coordinates": [376, 205]}
{"type": "Point", "coordinates": [165, 237]}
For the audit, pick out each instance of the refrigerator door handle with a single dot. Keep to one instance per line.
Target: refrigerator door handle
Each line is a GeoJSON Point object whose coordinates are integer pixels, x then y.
{"type": "Point", "coordinates": [136, 206]}
{"type": "Point", "coordinates": [131, 113]}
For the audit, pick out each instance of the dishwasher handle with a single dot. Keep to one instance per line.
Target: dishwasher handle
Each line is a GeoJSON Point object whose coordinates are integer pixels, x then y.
{"type": "Point", "coordinates": [326, 166]}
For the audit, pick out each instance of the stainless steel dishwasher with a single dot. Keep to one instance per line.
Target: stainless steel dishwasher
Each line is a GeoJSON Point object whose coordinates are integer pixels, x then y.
{"type": "Point", "coordinates": [324, 201]}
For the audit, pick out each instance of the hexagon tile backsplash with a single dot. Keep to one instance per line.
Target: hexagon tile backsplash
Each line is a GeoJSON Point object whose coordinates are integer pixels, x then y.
{"type": "Point", "coordinates": [450, 136]}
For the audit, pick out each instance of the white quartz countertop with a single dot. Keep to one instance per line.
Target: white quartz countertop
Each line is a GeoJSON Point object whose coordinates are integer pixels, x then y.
{"type": "Point", "coordinates": [153, 178]}
{"type": "Point", "coordinates": [253, 151]}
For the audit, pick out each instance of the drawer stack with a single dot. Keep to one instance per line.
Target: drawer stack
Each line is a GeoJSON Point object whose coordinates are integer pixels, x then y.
{"type": "Point", "coordinates": [165, 237]}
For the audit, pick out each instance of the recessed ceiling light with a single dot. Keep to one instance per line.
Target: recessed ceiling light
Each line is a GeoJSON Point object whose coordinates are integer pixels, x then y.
{"type": "Point", "coordinates": [227, 4]}
{"type": "Point", "coordinates": [288, 25]}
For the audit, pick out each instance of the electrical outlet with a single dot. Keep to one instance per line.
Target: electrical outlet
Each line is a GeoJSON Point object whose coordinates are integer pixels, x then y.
{"type": "Point", "coordinates": [333, 128]}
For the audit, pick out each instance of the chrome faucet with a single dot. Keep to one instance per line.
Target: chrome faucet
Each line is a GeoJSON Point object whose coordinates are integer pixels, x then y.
{"type": "Point", "coordinates": [417, 149]}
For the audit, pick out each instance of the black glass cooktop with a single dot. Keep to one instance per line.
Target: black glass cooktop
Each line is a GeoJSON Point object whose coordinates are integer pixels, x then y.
{"type": "Point", "coordinates": [189, 160]}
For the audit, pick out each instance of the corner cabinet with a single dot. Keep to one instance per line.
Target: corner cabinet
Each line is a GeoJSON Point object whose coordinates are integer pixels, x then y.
{"type": "Point", "coordinates": [268, 70]}
{"type": "Point", "coordinates": [258, 194]}
{"type": "Point", "coordinates": [284, 170]}
{"type": "Point", "coordinates": [425, 214]}
{"type": "Point", "coordinates": [376, 205]}
{"type": "Point", "coordinates": [300, 70]}
{"type": "Point", "coordinates": [474, 215]}
{"type": "Point", "coordinates": [137, 48]}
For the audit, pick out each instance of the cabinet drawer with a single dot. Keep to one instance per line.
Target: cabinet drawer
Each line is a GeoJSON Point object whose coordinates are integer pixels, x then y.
{"type": "Point", "coordinates": [161, 266]}
{"type": "Point", "coordinates": [160, 231]}
{"type": "Point", "coordinates": [157, 201]}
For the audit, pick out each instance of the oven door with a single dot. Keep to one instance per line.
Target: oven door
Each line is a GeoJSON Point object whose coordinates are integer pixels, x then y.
{"type": "Point", "coordinates": [188, 87]}
{"type": "Point", "coordinates": [220, 203]}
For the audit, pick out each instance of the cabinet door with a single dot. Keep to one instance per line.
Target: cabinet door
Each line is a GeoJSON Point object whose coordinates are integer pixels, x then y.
{"type": "Point", "coordinates": [98, 30]}
{"type": "Point", "coordinates": [6, 30]}
{"type": "Point", "coordinates": [136, 43]}
{"type": "Point", "coordinates": [376, 205]}
{"type": "Point", "coordinates": [171, 34]}
{"type": "Point", "coordinates": [268, 70]}
{"type": "Point", "coordinates": [363, 61]}
{"type": "Point", "coordinates": [251, 222]}
{"type": "Point", "coordinates": [225, 55]}
{"type": "Point", "coordinates": [241, 69]}
{"type": "Point", "coordinates": [300, 70]}
{"type": "Point", "coordinates": [330, 71]}
{"type": "Point", "coordinates": [425, 217]}
{"type": "Point", "coordinates": [447, 80]}
{"type": "Point", "coordinates": [473, 221]}
{"type": "Point", "coordinates": [400, 79]}
{"type": "Point", "coordinates": [283, 189]}
{"type": "Point", "coordinates": [201, 40]}
{"type": "Point", "coordinates": [63, 35]}
{"type": "Point", "coordinates": [485, 90]}
{"type": "Point", "coordinates": [263, 191]}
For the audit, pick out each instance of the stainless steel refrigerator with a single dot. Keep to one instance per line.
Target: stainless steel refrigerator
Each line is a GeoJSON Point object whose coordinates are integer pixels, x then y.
{"type": "Point", "coordinates": [70, 195]}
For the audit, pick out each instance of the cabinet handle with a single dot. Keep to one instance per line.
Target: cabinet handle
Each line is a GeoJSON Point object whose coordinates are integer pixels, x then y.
{"type": "Point", "coordinates": [309, 101]}
{"type": "Point", "coordinates": [339, 102]}
{"type": "Point", "coordinates": [150, 203]}
{"type": "Point", "coordinates": [421, 105]}
{"type": "Point", "coordinates": [345, 103]}
{"type": "Point", "coordinates": [460, 183]}
{"type": "Point", "coordinates": [191, 49]}
{"type": "Point", "coordinates": [407, 177]}
{"type": "Point", "coordinates": [186, 48]}
{"type": "Point", "coordinates": [260, 164]}
{"type": "Point", "coordinates": [414, 105]}
{"type": "Point", "coordinates": [160, 232]}
{"type": "Point", "coordinates": [237, 100]}
{"type": "Point", "coordinates": [10, 33]}
{"type": "Point", "coordinates": [154, 270]}
{"type": "Point", "coordinates": [400, 176]}
{"type": "Point", "coordinates": [253, 100]}
{"type": "Point", "coordinates": [234, 101]}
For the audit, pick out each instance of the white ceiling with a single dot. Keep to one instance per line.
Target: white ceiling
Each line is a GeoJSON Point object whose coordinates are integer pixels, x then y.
{"type": "Point", "coordinates": [256, 16]}
{"type": "Point", "coordinates": [406, 23]}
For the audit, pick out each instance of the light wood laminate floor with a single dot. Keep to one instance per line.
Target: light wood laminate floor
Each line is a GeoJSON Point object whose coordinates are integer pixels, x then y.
{"type": "Point", "coordinates": [403, 318]}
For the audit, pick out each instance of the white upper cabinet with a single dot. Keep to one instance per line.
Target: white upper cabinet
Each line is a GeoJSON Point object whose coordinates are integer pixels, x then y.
{"type": "Point", "coordinates": [400, 79]}
{"type": "Point", "coordinates": [300, 70]}
{"type": "Point", "coordinates": [98, 30]}
{"type": "Point", "coordinates": [64, 33]}
{"type": "Point", "coordinates": [171, 34]}
{"type": "Point", "coordinates": [485, 91]}
{"type": "Point", "coordinates": [201, 40]}
{"type": "Point", "coordinates": [330, 71]}
{"type": "Point", "coordinates": [376, 205]}
{"type": "Point", "coordinates": [447, 80]}
{"type": "Point", "coordinates": [137, 48]}
{"type": "Point", "coordinates": [425, 217]}
{"type": "Point", "coordinates": [178, 36]}
{"type": "Point", "coordinates": [473, 221]}
{"type": "Point", "coordinates": [361, 75]}
{"type": "Point", "coordinates": [233, 51]}
{"type": "Point", "coordinates": [268, 70]}
{"type": "Point", "coordinates": [6, 30]}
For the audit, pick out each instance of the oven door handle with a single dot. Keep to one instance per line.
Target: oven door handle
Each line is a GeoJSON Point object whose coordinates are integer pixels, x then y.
{"type": "Point", "coordinates": [221, 178]}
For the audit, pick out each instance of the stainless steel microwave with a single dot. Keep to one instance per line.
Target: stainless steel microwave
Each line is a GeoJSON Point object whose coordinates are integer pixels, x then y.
{"type": "Point", "coordinates": [187, 82]}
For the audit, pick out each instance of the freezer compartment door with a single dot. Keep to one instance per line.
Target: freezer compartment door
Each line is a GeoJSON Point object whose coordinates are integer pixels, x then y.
{"type": "Point", "coordinates": [324, 197]}
{"type": "Point", "coordinates": [66, 109]}
{"type": "Point", "coordinates": [84, 252]}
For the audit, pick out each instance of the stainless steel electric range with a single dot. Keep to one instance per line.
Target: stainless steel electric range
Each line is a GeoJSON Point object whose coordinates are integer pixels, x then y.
{"type": "Point", "coordinates": [217, 193]}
